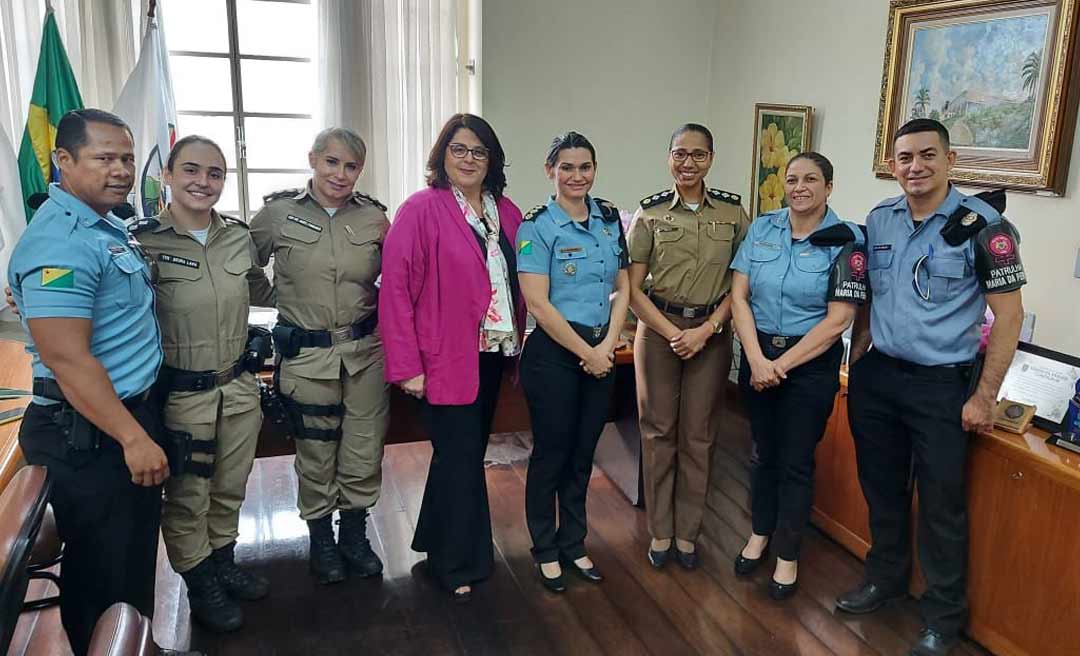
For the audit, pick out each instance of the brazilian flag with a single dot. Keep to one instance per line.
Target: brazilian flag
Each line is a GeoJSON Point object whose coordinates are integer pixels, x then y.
{"type": "Point", "coordinates": [55, 93]}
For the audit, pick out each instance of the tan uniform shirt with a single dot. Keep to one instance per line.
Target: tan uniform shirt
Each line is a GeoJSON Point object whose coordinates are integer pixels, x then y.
{"type": "Point", "coordinates": [202, 291]}
{"type": "Point", "coordinates": [688, 251]}
{"type": "Point", "coordinates": [325, 270]}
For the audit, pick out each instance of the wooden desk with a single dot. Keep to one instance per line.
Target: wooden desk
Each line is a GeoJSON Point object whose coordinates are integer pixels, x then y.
{"type": "Point", "coordinates": [1024, 513]}
{"type": "Point", "coordinates": [14, 372]}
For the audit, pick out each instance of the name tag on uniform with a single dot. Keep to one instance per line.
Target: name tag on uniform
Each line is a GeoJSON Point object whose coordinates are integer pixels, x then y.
{"type": "Point", "coordinates": [176, 259]}
{"type": "Point", "coordinates": [571, 249]}
{"type": "Point", "coordinates": [882, 247]}
{"type": "Point", "coordinates": [304, 222]}
{"type": "Point", "coordinates": [117, 249]}
{"type": "Point", "coordinates": [768, 245]}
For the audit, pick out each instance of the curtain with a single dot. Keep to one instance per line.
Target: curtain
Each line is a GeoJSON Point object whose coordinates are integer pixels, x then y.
{"type": "Point", "coordinates": [389, 69]}
{"type": "Point", "coordinates": [100, 39]}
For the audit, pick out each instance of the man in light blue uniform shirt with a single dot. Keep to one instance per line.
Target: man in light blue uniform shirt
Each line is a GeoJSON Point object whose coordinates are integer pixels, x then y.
{"type": "Point", "coordinates": [936, 259]}
{"type": "Point", "coordinates": [85, 296]}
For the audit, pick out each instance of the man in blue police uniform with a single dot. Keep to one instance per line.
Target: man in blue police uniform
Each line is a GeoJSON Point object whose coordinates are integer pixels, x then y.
{"type": "Point", "coordinates": [936, 259]}
{"type": "Point", "coordinates": [83, 291]}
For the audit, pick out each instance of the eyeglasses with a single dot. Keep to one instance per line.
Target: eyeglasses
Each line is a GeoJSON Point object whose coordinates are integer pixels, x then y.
{"type": "Point", "coordinates": [696, 155]}
{"type": "Point", "coordinates": [461, 150]}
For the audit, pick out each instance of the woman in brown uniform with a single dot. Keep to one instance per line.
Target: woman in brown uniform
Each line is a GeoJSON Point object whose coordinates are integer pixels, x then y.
{"type": "Point", "coordinates": [326, 241]}
{"type": "Point", "coordinates": [207, 380]}
{"type": "Point", "coordinates": [684, 238]}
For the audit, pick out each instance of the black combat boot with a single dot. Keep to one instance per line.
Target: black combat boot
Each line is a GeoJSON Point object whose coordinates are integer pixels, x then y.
{"type": "Point", "coordinates": [354, 544]}
{"type": "Point", "coordinates": [324, 558]}
{"type": "Point", "coordinates": [210, 606]}
{"type": "Point", "coordinates": [238, 582]}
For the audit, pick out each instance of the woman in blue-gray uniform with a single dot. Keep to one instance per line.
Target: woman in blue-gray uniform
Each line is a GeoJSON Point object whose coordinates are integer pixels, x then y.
{"type": "Point", "coordinates": [572, 261]}
{"type": "Point", "coordinates": [798, 277]}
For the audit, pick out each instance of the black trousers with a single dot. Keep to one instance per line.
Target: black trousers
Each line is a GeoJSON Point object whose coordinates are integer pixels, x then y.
{"type": "Point", "coordinates": [786, 423]}
{"type": "Point", "coordinates": [907, 420]}
{"type": "Point", "coordinates": [454, 526]}
{"type": "Point", "coordinates": [108, 524]}
{"type": "Point", "coordinates": [568, 409]}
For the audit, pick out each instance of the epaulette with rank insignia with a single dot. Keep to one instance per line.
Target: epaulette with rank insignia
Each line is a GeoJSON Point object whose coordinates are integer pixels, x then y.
{"type": "Point", "coordinates": [964, 223]}
{"type": "Point", "coordinates": [232, 220]}
{"type": "Point", "coordinates": [656, 199]}
{"type": "Point", "coordinates": [607, 209]}
{"type": "Point", "coordinates": [726, 196]}
{"type": "Point", "coordinates": [284, 193]}
{"type": "Point", "coordinates": [533, 213]}
{"type": "Point", "coordinates": [142, 225]}
{"type": "Point", "coordinates": [370, 199]}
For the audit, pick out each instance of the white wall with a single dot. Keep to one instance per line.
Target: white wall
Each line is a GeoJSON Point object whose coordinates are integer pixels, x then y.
{"type": "Point", "coordinates": [624, 74]}
{"type": "Point", "coordinates": [626, 78]}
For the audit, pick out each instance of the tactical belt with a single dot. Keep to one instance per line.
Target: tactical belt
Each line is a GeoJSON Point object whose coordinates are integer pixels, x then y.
{"type": "Point", "coordinates": [181, 380]}
{"type": "Point", "coordinates": [778, 341]}
{"type": "Point", "coordinates": [328, 338]}
{"type": "Point", "coordinates": [686, 311]}
{"type": "Point", "coordinates": [48, 388]}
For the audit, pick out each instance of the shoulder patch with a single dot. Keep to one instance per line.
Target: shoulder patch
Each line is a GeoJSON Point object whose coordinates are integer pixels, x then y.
{"type": "Point", "coordinates": [142, 225]}
{"type": "Point", "coordinates": [284, 193]}
{"type": "Point", "coordinates": [608, 209]}
{"type": "Point", "coordinates": [725, 196]}
{"type": "Point", "coordinates": [533, 213]}
{"type": "Point", "coordinates": [232, 220]}
{"type": "Point", "coordinates": [656, 199]}
{"type": "Point", "coordinates": [964, 223]}
{"type": "Point", "coordinates": [371, 199]}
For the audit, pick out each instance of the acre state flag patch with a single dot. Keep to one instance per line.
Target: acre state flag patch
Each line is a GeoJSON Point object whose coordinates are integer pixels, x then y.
{"type": "Point", "coordinates": [56, 278]}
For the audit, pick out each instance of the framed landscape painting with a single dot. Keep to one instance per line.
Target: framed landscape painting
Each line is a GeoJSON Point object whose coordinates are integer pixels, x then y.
{"type": "Point", "coordinates": [780, 132]}
{"type": "Point", "coordinates": [1000, 74]}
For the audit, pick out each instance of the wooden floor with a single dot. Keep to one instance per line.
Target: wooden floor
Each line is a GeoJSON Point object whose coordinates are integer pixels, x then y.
{"type": "Point", "coordinates": [637, 610]}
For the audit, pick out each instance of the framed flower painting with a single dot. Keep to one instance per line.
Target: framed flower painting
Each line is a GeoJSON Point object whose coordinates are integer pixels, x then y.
{"type": "Point", "coordinates": [780, 132]}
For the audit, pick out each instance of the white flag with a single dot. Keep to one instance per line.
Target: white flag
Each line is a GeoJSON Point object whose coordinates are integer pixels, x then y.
{"type": "Point", "coordinates": [146, 105]}
{"type": "Point", "coordinates": [12, 217]}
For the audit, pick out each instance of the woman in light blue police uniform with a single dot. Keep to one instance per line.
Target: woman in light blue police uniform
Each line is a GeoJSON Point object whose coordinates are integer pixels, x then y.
{"type": "Point", "coordinates": [572, 261]}
{"type": "Point", "coordinates": [798, 277]}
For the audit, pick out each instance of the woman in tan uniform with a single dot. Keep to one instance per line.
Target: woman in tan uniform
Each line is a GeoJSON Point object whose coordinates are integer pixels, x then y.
{"type": "Point", "coordinates": [326, 241]}
{"type": "Point", "coordinates": [684, 238]}
{"type": "Point", "coordinates": [207, 381]}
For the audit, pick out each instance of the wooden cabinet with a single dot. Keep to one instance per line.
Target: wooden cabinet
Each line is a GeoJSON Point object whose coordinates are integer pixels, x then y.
{"type": "Point", "coordinates": [1024, 514]}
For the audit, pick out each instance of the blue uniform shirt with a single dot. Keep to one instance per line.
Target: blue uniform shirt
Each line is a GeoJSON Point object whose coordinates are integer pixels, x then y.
{"type": "Point", "coordinates": [73, 263]}
{"type": "Point", "coordinates": [792, 282]}
{"type": "Point", "coordinates": [581, 264]}
{"type": "Point", "coordinates": [928, 295]}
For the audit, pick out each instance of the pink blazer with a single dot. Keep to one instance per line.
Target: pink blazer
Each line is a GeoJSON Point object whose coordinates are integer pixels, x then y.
{"type": "Point", "coordinates": [434, 295]}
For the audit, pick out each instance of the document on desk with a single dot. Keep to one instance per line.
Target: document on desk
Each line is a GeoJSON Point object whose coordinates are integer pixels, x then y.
{"type": "Point", "coordinates": [1042, 382]}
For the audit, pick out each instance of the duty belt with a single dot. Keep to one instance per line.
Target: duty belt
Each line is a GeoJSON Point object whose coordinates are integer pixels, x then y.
{"type": "Point", "coordinates": [48, 388]}
{"type": "Point", "coordinates": [181, 380]}
{"type": "Point", "coordinates": [778, 341]}
{"type": "Point", "coordinates": [685, 311]}
{"type": "Point", "coordinates": [345, 334]}
{"type": "Point", "coordinates": [585, 331]}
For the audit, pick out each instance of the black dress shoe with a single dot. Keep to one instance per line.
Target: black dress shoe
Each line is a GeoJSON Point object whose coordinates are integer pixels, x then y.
{"type": "Point", "coordinates": [590, 574]}
{"type": "Point", "coordinates": [659, 558]}
{"type": "Point", "coordinates": [688, 559]}
{"type": "Point", "coordinates": [781, 591]}
{"type": "Point", "coordinates": [745, 566]}
{"type": "Point", "coordinates": [866, 599]}
{"type": "Point", "coordinates": [932, 643]}
{"type": "Point", "coordinates": [554, 585]}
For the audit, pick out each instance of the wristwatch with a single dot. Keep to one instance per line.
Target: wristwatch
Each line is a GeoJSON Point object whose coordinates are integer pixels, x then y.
{"type": "Point", "coordinates": [717, 326]}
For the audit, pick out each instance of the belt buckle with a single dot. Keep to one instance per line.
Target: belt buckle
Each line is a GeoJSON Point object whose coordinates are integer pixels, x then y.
{"type": "Point", "coordinates": [779, 341]}
{"type": "Point", "coordinates": [341, 335]}
{"type": "Point", "coordinates": [689, 313]}
{"type": "Point", "coordinates": [596, 331]}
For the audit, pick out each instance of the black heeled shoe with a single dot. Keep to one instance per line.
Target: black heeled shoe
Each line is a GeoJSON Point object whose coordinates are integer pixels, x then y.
{"type": "Point", "coordinates": [781, 591]}
{"type": "Point", "coordinates": [590, 574]}
{"type": "Point", "coordinates": [745, 566]}
{"type": "Point", "coordinates": [556, 584]}
{"type": "Point", "coordinates": [688, 559]}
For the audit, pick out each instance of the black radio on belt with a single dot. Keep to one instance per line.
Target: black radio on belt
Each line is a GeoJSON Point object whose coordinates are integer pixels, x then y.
{"type": "Point", "coordinates": [79, 433]}
{"type": "Point", "coordinates": [258, 348]}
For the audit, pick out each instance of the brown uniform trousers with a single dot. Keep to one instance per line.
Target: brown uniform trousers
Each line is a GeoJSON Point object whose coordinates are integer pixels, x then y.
{"type": "Point", "coordinates": [202, 308]}
{"type": "Point", "coordinates": [688, 253]}
{"type": "Point", "coordinates": [325, 270]}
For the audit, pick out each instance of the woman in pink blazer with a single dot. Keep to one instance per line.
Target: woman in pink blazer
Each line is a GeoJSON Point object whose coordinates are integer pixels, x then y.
{"type": "Point", "coordinates": [452, 318]}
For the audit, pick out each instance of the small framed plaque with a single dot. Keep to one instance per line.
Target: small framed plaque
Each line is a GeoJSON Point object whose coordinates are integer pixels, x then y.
{"type": "Point", "coordinates": [1043, 378]}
